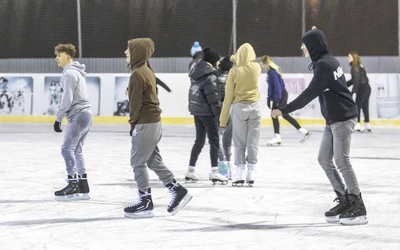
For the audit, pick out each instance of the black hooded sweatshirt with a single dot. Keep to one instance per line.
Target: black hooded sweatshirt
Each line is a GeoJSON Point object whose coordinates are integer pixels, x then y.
{"type": "Point", "coordinates": [328, 83]}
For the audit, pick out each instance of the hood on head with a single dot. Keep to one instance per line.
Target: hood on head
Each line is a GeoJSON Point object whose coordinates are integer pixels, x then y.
{"type": "Point", "coordinates": [244, 55]}
{"type": "Point", "coordinates": [76, 66]}
{"type": "Point", "coordinates": [140, 49]}
{"type": "Point", "coordinates": [315, 42]}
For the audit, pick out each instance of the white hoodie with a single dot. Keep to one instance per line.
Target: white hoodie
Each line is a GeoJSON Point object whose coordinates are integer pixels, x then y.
{"type": "Point", "coordinates": [75, 97]}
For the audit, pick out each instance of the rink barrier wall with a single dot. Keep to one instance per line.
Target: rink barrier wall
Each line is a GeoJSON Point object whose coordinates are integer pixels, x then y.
{"type": "Point", "coordinates": [107, 96]}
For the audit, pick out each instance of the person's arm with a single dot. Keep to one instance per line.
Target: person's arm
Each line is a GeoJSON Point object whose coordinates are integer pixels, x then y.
{"type": "Point", "coordinates": [229, 97]}
{"type": "Point", "coordinates": [68, 85]}
{"type": "Point", "coordinates": [212, 95]}
{"type": "Point", "coordinates": [319, 84]}
{"type": "Point", "coordinates": [162, 84]}
{"type": "Point", "coordinates": [276, 87]}
{"type": "Point", "coordinates": [356, 79]}
{"type": "Point", "coordinates": [136, 89]}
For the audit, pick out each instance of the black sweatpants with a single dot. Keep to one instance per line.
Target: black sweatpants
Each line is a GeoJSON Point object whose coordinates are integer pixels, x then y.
{"type": "Point", "coordinates": [276, 105]}
{"type": "Point", "coordinates": [362, 101]}
{"type": "Point", "coordinates": [205, 125]}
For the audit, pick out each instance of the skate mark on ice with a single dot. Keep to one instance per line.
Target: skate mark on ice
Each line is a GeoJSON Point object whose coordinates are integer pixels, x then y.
{"type": "Point", "coordinates": [58, 221]}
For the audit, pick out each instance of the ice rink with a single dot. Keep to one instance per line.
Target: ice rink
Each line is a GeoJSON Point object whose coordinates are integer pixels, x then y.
{"type": "Point", "coordinates": [284, 210]}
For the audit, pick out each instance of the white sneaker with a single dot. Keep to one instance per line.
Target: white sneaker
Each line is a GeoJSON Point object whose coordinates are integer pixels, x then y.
{"type": "Point", "coordinates": [250, 177]}
{"type": "Point", "coordinates": [239, 177]}
{"type": "Point", "coordinates": [217, 177]}
{"type": "Point", "coordinates": [191, 176]}
{"type": "Point", "coordinates": [304, 134]}
{"type": "Point", "coordinates": [275, 142]}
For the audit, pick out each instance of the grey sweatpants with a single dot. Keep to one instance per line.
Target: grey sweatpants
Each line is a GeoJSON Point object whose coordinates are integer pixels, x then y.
{"type": "Point", "coordinates": [225, 143]}
{"type": "Point", "coordinates": [334, 150]}
{"type": "Point", "coordinates": [246, 123]}
{"type": "Point", "coordinates": [145, 153]}
{"type": "Point", "coordinates": [71, 149]}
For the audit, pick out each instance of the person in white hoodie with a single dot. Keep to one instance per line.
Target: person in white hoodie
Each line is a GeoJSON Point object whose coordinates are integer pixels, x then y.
{"type": "Point", "coordinates": [75, 106]}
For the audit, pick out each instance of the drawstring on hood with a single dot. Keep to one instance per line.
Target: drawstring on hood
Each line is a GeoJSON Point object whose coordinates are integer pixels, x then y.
{"type": "Point", "coordinates": [316, 45]}
{"type": "Point", "coordinates": [140, 49]}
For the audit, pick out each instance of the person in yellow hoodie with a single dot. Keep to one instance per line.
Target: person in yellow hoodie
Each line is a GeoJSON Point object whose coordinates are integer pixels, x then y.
{"type": "Point", "coordinates": [145, 121]}
{"type": "Point", "coordinates": [241, 92]}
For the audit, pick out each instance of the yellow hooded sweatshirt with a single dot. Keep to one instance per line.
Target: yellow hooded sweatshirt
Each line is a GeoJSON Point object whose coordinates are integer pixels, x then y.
{"type": "Point", "coordinates": [242, 83]}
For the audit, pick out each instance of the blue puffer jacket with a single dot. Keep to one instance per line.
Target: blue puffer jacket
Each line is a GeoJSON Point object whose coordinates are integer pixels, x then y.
{"type": "Point", "coordinates": [275, 85]}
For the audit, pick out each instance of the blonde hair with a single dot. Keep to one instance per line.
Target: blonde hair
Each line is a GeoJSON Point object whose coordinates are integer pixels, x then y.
{"type": "Point", "coordinates": [265, 59]}
{"type": "Point", "coordinates": [355, 65]}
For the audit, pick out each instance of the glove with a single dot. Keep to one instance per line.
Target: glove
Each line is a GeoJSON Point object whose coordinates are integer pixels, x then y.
{"type": "Point", "coordinates": [57, 127]}
{"type": "Point", "coordinates": [221, 130]}
{"type": "Point", "coordinates": [269, 103]}
{"type": "Point", "coordinates": [354, 96]}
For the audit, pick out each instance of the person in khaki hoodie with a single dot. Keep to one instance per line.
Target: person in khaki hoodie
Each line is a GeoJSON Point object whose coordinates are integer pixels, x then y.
{"type": "Point", "coordinates": [145, 121]}
{"type": "Point", "coordinates": [241, 92]}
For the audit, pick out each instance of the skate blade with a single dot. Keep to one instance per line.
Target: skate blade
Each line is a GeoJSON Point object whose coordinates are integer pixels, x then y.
{"type": "Point", "coordinates": [250, 183]}
{"type": "Point", "coordinates": [237, 183]}
{"type": "Point", "coordinates": [305, 138]}
{"type": "Point", "coordinates": [182, 204]}
{"type": "Point", "coordinates": [71, 197]}
{"type": "Point", "coordinates": [188, 179]}
{"type": "Point", "coordinates": [85, 196]}
{"type": "Point", "coordinates": [139, 215]}
{"type": "Point", "coordinates": [360, 220]}
{"type": "Point", "coordinates": [214, 181]}
{"type": "Point", "coordinates": [332, 219]}
{"type": "Point", "coordinates": [273, 145]}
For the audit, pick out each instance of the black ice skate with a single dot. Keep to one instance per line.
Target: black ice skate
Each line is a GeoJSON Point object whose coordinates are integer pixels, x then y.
{"type": "Point", "coordinates": [356, 214]}
{"type": "Point", "coordinates": [180, 197]}
{"type": "Point", "coordinates": [70, 192]}
{"type": "Point", "coordinates": [84, 187]}
{"type": "Point", "coordinates": [143, 208]}
{"type": "Point", "coordinates": [332, 215]}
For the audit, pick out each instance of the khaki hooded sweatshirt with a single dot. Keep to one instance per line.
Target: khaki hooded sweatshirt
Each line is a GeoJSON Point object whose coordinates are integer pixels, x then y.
{"type": "Point", "coordinates": [142, 90]}
{"type": "Point", "coordinates": [242, 83]}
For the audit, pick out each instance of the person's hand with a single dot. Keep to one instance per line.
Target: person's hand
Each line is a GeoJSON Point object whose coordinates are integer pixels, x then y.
{"type": "Point", "coordinates": [130, 132]}
{"type": "Point", "coordinates": [275, 113]}
{"type": "Point", "coordinates": [57, 127]}
{"type": "Point", "coordinates": [354, 96]}
{"type": "Point", "coordinates": [269, 103]}
{"type": "Point", "coordinates": [222, 130]}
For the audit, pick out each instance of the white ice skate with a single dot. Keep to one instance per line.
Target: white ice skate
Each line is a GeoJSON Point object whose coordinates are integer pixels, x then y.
{"type": "Point", "coordinates": [239, 177]}
{"type": "Point", "coordinates": [250, 177]}
{"type": "Point", "coordinates": [304, 134]}
{"type": "Point", "coordinates": [367, 127]}
{"type": "Point", "coordinates": [275, 142]}
{"type": "Point", "coordinates": [217, 177]}
{"type": "Point", "coordinates": [358, 128]}
{"type": "Point", "coordinates": [191, 176]}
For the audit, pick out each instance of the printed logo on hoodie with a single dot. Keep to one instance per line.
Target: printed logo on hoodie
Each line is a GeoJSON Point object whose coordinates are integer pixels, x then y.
{"type": "Point", "coordinates": [338, 73]}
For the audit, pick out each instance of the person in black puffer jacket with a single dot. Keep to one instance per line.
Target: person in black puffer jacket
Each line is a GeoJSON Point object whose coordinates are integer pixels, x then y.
{"type": "Point", "coordinates": [205, 106]}
{"type": "Point", "coordinates": [361, 90]}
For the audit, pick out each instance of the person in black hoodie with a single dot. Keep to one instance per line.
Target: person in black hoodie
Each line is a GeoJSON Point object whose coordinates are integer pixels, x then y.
{"type": "Point", "coordinates": [205, 106]}
{"type": "Point", "coordinates": [340, 113]}
{"type": "Point", "coordinates": [361, 90]}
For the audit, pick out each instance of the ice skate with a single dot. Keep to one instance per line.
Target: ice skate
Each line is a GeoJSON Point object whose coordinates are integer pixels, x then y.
{"type": "Point", "coordinates": [70, 192]}
{"type": "Point", "coordinates": [239, 177]}
{"type": "Point", "coordinates": [367, 127]}
{"type": "Point", "coordinates": [83, 187]}
{"type": "Point", "coordinates": [223, 168]}
{"type": "Point", "coordinates": [217, 177]}
{"type": "Point", "coordinates": [180, 197]}
{"type": "Point", "coordinates": [275, 142]}
{"type": "Point", "coordinates": [332, 215]}
{"type": "Point", "coordinates": [191, 176]}
{"type": "Point", "coordinates": [357, 128]}
{"type": "Point", "coordinates": [230, 170]}
{"type": "Point", "coordinates": [143, 208]}
{"type": "Point", "coordinates": [304, 134]}
{"type": "Point", "coordinates": [356, 214]}
{"type": "Point", "coordinates": [250, 177]}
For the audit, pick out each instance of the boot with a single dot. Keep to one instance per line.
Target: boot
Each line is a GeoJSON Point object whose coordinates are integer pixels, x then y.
{"type": "Point", "coordinates": [332, 215]}
{"type": "Point", "coordinates": [356, 214]}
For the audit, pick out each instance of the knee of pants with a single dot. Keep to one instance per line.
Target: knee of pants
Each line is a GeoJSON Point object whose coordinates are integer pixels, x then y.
{"type": "Point", "coordinates": [65, 151]}
{"type": "Point", "coordinates": [342, 161]}
{"type": "Point", "coordinates": [199, 143]}
{"type": "Point", "coordinates": [78, 151]}
{"type": "Point", "coordinates": [324, 161]}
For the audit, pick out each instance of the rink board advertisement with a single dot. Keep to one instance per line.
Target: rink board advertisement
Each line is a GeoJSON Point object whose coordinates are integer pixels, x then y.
{"type": "Point", "coordinates": [16, 95]}
{"type": "Point", "coordinates": [53, 92]}
{"type": "Point", "coordinates": [40, 95]}
{"type": "Point", "coordinates": [121, 106]}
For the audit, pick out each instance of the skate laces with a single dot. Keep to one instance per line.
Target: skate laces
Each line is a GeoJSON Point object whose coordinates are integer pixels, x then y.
{"type": "Point", "coordinates": [138, 201]}
{"type": "Point", "coordinates": [173, 192]}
